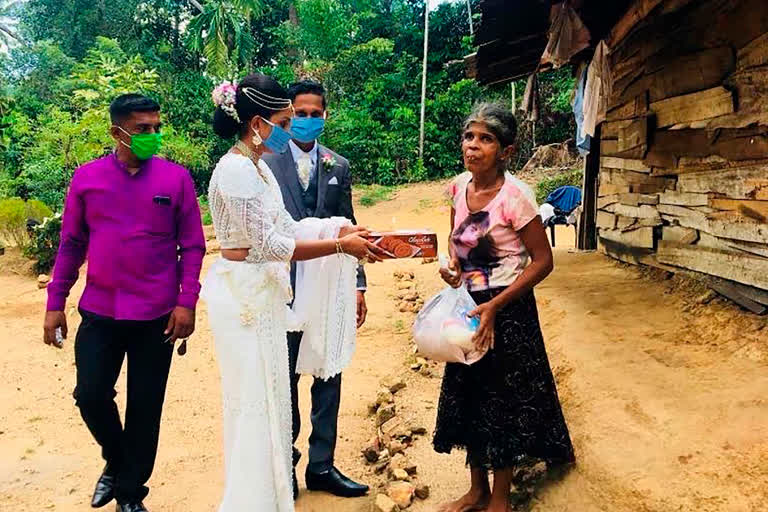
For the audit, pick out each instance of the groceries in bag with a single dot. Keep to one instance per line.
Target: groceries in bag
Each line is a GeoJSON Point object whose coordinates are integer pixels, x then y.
{"type": "Point", "coordinates": [443, 331]}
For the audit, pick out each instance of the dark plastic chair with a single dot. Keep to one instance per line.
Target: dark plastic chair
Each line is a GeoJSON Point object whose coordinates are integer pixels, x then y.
{"type": "Point", "coordinates": [564, 200]}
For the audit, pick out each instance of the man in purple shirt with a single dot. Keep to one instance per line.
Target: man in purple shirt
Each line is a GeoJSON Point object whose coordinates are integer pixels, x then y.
{"type": "Point", "coordinates": [136, 218]}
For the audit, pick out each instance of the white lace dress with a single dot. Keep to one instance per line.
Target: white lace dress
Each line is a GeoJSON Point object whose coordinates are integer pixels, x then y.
{"type": "Point", "coordinates": [249, 318]}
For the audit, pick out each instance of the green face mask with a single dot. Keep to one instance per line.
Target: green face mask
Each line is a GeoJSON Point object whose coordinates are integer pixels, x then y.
{"type": "Point", "coordinates": [144, 145]}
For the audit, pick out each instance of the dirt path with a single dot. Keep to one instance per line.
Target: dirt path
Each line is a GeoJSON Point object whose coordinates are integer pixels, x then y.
{"type": "Point", "coordinates": [666, 400]}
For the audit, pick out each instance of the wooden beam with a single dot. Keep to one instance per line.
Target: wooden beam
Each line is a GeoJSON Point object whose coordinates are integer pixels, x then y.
{"type": "Point", "coordinates": [679, 234]}
{"type": "Point", "coordinates": [744, 231]}
{"type": "Point", "coordinates": [730, 291]}
{"type": "Point", "coordinates": [639, 238]}
{"type": "Point", "coordinates": [681, 75]}
{"type": "Point", "coordinates": [757, 210]}
{"type": "Point", "coordinates": [632, 109]}
{"type": "Point", "coordinates": [605, 220]}
{"type": "Point", "coordinates": [625, 164]}
{"type": "Point", "coordinates": [638, 212]}
{"type": "Point", "coordinates": [688, 108]}
{"type": "Point", "coordinates": [745, 269]}
{"type": "Point", "coordinates": [634, 15]}
{"type": "Point", "coordinates": [610, 147]}
{"type": "Point", "coordinates": [737, 183]}
{"type": "Point", "coordinates": [754, 54]}
{"type": "Point", "coordinates": [683, 198]}
{"type": "Point", "coordinates": [619, 177]}
{"type": "Point", "coordinates": [604, 201]}
{"type": "Point", "coordinates": [633, 138]}
{"type": "Point", "coordinates": [693, 150]}
{"type": "Point", "coordinates": [683, 212]}
{"type": "Point", "coordinates": [611, 128]}
{"type": "Point", "coordinates": [638, 199]}
{"type": "Point", "coordinates": [586, 239]}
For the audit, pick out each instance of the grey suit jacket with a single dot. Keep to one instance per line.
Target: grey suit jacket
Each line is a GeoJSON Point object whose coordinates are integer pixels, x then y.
{"type": "Point", "coordinates": [333, 199]}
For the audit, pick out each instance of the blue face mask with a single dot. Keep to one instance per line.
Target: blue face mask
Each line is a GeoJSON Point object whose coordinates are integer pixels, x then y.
{"type": "Point", "coordinates": [307, 129]}
{"type": "Point", "coordinates": [277, 142]}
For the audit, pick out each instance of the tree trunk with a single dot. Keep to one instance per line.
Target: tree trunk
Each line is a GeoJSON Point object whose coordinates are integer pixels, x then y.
{"type": "Point", "coordinates": [293, 17]}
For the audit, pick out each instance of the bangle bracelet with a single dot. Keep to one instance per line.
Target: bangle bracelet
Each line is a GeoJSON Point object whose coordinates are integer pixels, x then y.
{"type": "Point", "coordinates": [339, 250]}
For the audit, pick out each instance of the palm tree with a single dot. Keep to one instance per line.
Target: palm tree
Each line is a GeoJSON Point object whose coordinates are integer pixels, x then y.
{"type": "Point", "coordinates": [221, 32]}
{"type": "Point", "coordinates": [8, 35]}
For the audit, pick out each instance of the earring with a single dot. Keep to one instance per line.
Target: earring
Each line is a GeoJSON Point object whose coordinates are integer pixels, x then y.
{"type": "Point", "coordinates": [257, 140]}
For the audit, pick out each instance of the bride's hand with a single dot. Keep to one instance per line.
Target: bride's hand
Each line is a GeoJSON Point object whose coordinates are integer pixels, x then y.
{"type": "Point", "coordinates": [348, 230]}
{"type": "Point", "coordinates": [356, 245]}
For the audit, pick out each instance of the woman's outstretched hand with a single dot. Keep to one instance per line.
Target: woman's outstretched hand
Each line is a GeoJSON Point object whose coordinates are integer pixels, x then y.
{"type": "Point", "coordinates": [452, 274]}
{"type": "Point", "coordinates": [348, 230]}
{"type": "Point", "coordinates": [355, 244]}
{"type": "Point", "coordinates": [484, 338]}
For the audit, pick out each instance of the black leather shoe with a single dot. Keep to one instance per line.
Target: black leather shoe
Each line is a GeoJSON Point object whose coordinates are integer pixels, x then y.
{"type": "Point", "coordinates": [334, 482]}
{"type": "Point", "coordinates": [105, 490]}
{"type": "Point", "coordinates": [295, 485]}
{"type": "Point", "coordinates": [131, 507]}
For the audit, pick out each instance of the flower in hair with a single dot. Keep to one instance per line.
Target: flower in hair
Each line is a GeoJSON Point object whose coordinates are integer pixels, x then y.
{"type": "Point", "coordinates": [225, 97]}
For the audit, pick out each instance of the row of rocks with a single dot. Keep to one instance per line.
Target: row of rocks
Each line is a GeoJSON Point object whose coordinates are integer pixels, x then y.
{"type": "Point", "coordinates": [386, 451]}
{"type": "Point", "coordinates": [407, 296]}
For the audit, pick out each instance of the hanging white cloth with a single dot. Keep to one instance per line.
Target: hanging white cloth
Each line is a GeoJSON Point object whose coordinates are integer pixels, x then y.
{"type": "Point", "coordinates": [324, 307]}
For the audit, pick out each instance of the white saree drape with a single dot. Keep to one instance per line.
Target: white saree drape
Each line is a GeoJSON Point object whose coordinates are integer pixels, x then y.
{"type": "Point", "coordinates": [324, 304]}
{"type": "Point", "coordinates": [249, 317]}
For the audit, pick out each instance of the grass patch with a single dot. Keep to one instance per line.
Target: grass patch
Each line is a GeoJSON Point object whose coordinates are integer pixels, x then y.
{"type": "Point", "coordinates": [399, 326]}
{"type": "Point", "coordinates": [205, 211]}
{"type": "Point", "coordinates": [426, 203]}
{"type": "Point", "coordinates": [372, 194]}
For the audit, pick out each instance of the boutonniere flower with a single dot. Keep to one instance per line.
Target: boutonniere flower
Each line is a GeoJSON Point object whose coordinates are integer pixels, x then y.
{"type": "Point", "coordinates": [329, 162]}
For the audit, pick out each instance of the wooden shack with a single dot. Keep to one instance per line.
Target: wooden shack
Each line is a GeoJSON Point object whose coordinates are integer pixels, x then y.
{"type": "Point", "coordinates": [677, 176]}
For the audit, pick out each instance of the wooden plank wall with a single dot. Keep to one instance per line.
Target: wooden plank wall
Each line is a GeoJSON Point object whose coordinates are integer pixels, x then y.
{"type": "Point", "coordinates": [684, 170]}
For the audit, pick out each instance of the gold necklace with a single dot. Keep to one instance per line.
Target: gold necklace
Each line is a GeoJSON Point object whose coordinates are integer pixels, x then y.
{"type": "Point", "coordinates": [248, 153]}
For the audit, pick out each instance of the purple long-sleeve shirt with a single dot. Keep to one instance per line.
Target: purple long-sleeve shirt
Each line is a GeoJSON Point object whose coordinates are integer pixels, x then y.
{"type": "Point", "coordinates": [143, 237]}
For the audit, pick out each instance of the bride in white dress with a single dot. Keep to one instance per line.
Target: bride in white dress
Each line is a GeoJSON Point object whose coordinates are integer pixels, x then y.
{"type": "Point", "coordinates": [247, 291]}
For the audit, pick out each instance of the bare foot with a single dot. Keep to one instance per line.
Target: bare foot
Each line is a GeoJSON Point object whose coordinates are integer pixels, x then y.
{"type": "Point", "coordinates": [471, 502]}
{"type": "Point", "coordinates": [498, 507]}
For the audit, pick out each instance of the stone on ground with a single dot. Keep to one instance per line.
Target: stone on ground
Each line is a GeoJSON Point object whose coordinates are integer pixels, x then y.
{"type": "Point", "coordinates": [384, 503]}
{"type": "Point", "coordinates": [402, 493]}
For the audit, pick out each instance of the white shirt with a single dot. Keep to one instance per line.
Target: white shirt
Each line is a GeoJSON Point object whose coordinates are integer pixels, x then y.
{"type": "Point", "coordinates": [298, 153]}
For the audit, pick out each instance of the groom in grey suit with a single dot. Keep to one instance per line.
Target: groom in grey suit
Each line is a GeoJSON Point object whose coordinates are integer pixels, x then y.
{"type": "Point", "coordinates": [316, 182]}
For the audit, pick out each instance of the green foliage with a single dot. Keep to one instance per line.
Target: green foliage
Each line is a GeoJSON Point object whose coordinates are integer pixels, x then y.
{"type": "Point", "coordinates": [78, 55]}
{"type": "Point", "coordinates": [13, 221]}
{"type": "Point", "coordinates": [45, 244]}
{"type": "Point", "coordinates": [546, 186]}
{"type": "Point", "coordinates": [221, 33]}
{"type": "Point", "coordinates": [205, 210]}
{"type": "Point", "coordinates": [107, 72]}
{"type": "Point", "coordinates": [14, 213]}
{"type": "Point", "coordinates": [372, 194]}
{"type": "Point", "coordinates": [38, 210]}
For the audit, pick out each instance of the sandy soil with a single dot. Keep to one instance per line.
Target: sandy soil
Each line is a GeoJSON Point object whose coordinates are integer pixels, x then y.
{"type": "Point", "coordinates": [665, 397]}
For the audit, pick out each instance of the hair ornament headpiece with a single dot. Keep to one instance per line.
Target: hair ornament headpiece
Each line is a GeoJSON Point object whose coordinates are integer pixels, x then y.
{"type": "Point", "coordinates": [225, 97]}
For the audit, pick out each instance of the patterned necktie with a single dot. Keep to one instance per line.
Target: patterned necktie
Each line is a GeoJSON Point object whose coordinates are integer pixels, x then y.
{"type": "Point", "coordinates": [304, 167]}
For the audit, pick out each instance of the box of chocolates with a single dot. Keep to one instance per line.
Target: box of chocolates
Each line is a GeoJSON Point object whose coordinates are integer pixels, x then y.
{"type": "Point", "coordinates": [406, 244]}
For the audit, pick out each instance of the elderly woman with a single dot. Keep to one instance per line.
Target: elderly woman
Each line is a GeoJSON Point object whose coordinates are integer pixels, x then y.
{"type": "Point", "coordinates": [504, 409]}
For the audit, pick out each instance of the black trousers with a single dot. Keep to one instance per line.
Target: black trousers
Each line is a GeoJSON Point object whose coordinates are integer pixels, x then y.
{"type": "Point", "coordinates": [326, 397]}
{"type": "Point", "coordinates": [100, 348]}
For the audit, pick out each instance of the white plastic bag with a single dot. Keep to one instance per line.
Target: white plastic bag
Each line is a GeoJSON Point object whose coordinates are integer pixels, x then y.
{"type": "Point", "coordinates": [442, 329]}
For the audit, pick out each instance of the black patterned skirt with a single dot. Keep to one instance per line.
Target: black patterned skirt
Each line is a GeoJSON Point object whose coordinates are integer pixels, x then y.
{"type": "Point", "coordinates": [504, 409]}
